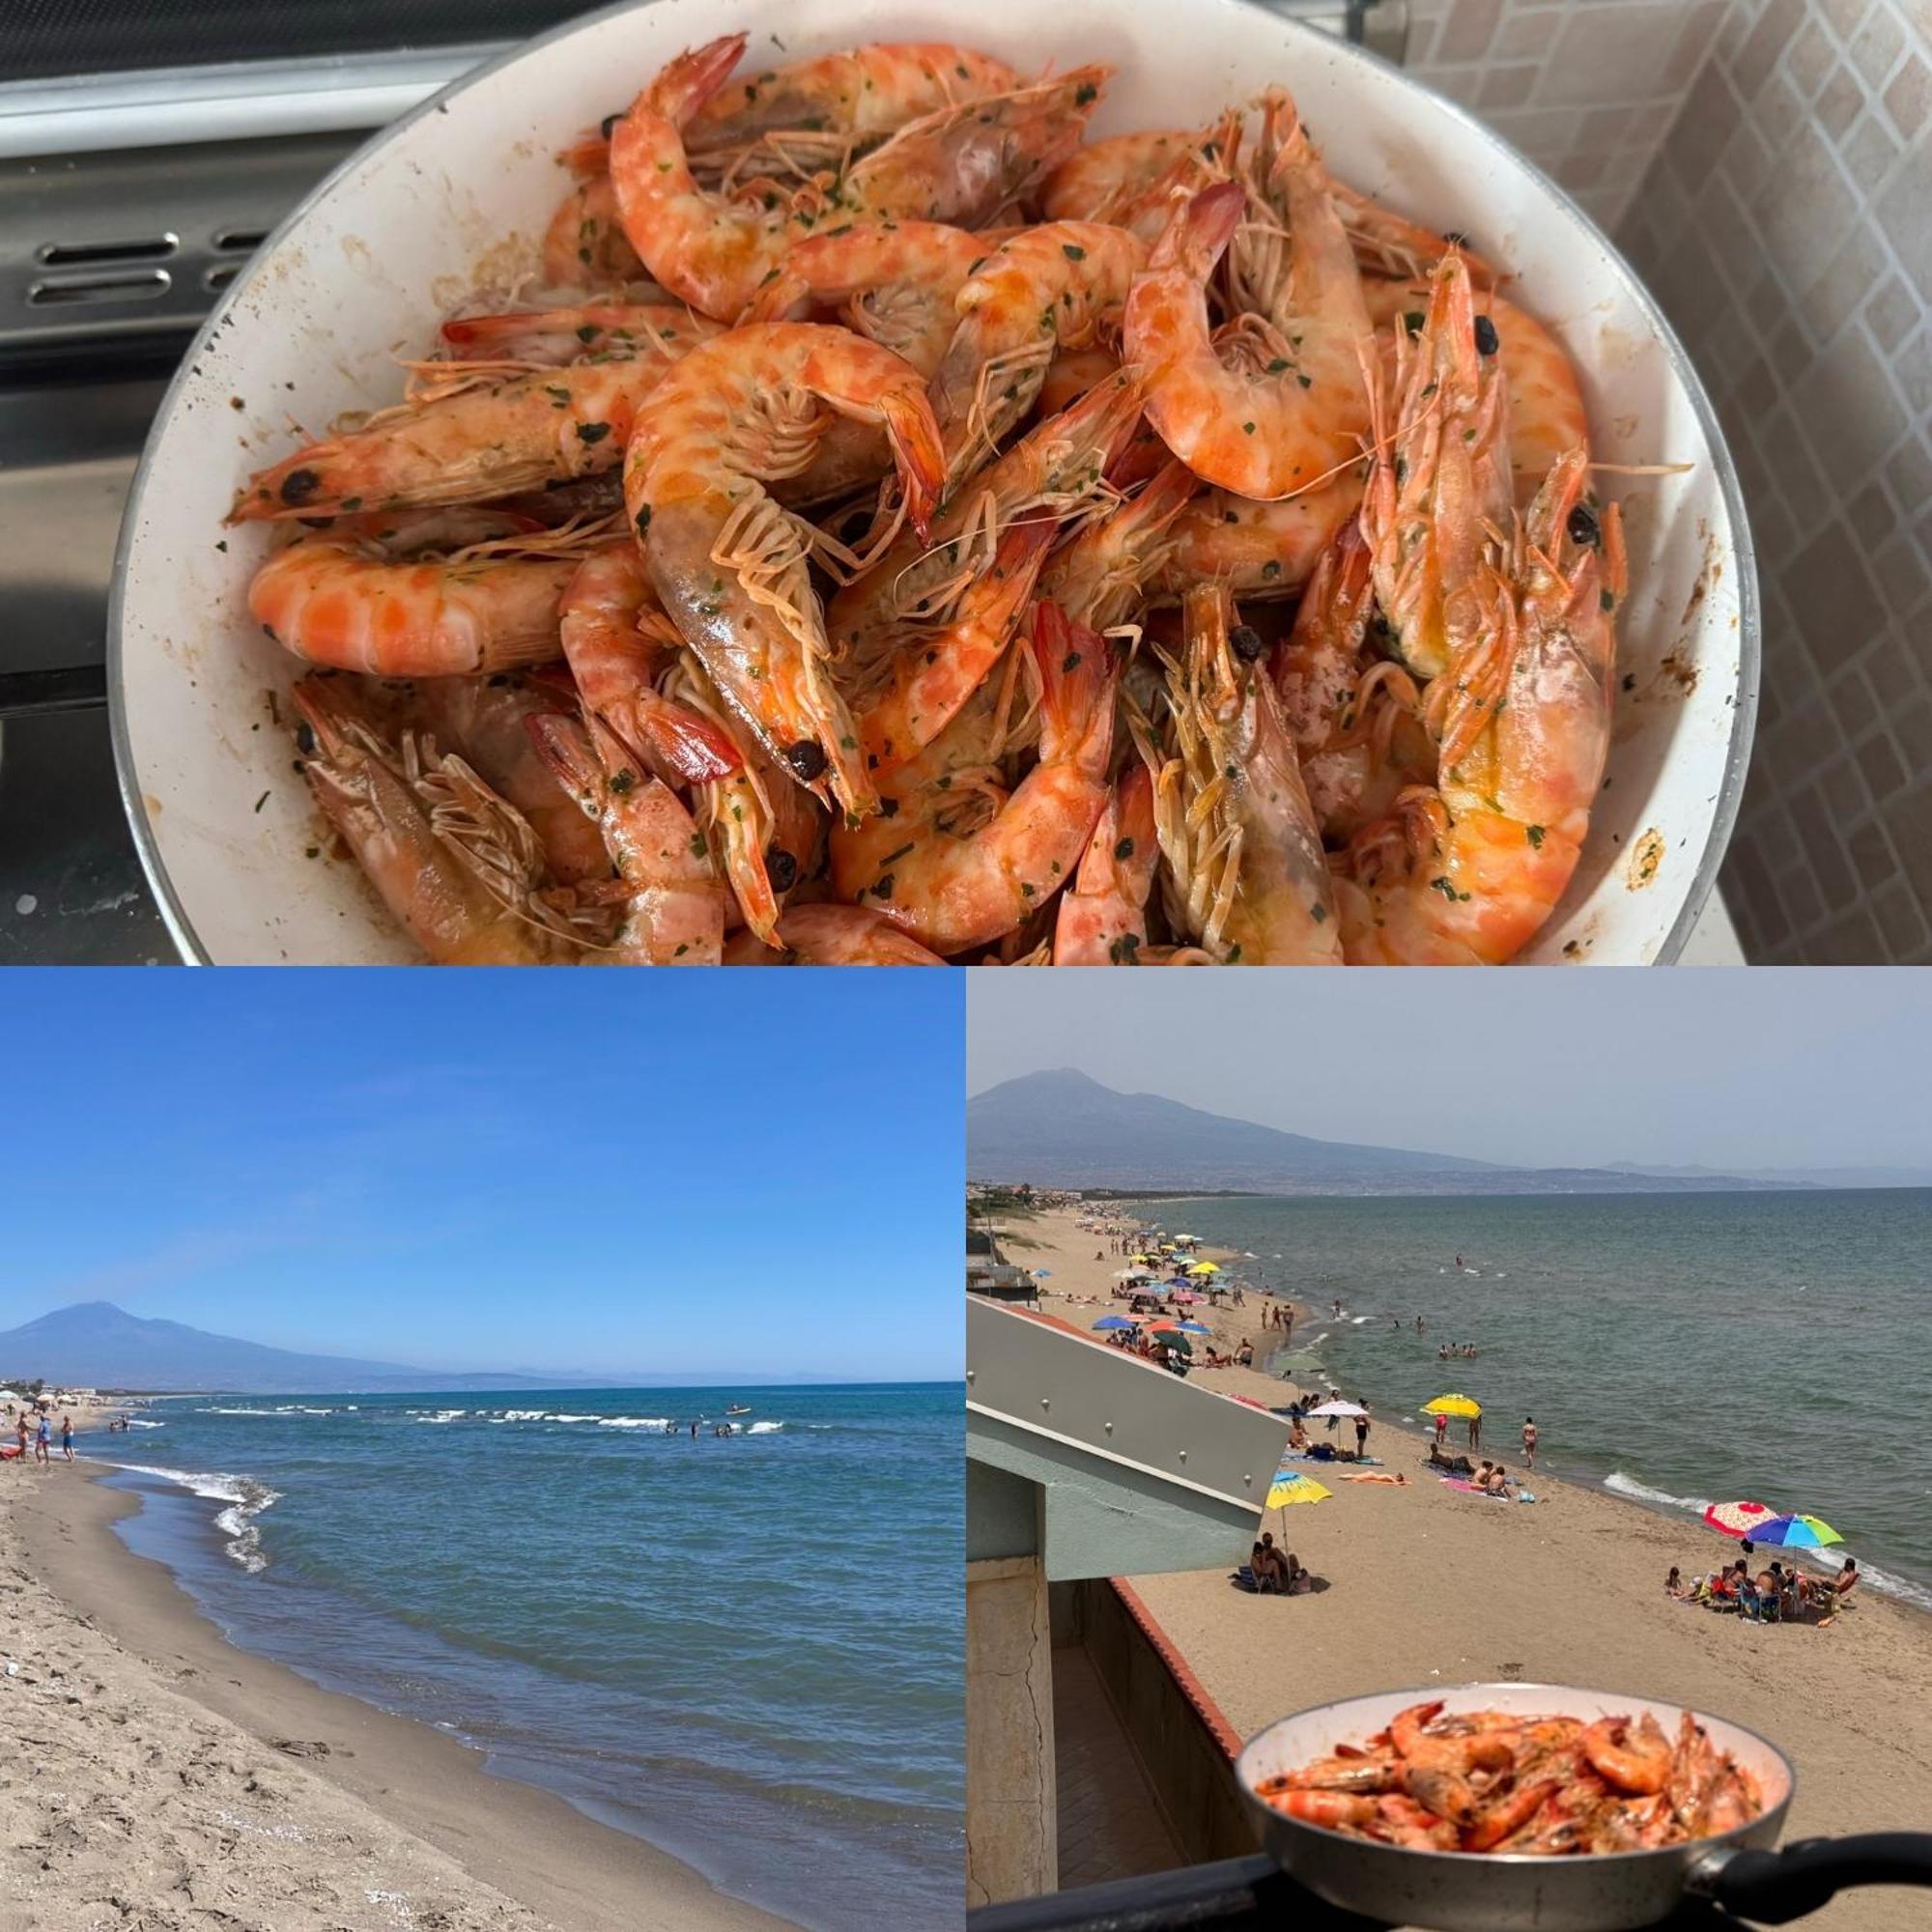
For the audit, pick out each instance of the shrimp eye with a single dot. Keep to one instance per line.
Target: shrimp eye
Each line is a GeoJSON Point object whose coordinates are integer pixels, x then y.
{"type": "Point", "coordinates": [299, 484]}
{"type": "Point", "coordinates": [807, 758]}
{"type": "Point", "coordinates": [609, 123]}
{"type": "Point", "coordinates": [305, 739]}
{"type": "Point", "coordinates": [1247, 642]}
{"type": "Point", "coordinates": [1583, 528]}
{"type": "Point", "coordinates": [1488, 342]}
{"type": "Point", "coordinates": [781, 868]}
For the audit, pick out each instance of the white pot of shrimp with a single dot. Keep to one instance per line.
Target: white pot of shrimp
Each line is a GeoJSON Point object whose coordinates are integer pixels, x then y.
{"type": "Point", "coordinates": [447, 210]}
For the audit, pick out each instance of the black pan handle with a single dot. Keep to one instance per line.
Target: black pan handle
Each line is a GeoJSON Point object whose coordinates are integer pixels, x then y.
{"type": "Point", "coordinates": [1775, 1888]}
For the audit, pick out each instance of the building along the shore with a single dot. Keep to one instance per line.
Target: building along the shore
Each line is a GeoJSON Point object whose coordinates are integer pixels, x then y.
{"type": "Point", "coordinates": [1085, 1465]}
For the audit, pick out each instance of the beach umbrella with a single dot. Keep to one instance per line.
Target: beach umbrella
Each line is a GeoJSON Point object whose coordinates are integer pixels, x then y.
{"type": "Point", "coordinates": [1195, 1328]}
{"type": "Point", "coordinates": [1338, 1408]}
{"type": "Point", "coordinates": [1796, 1532]}
{"type": "Point", "coordinates": [1175, 1339]}
{"type": "Point", "coordinates": [1453, 1405]}
{"type": "Point", "coordinates": [1113, 1322]}
{"type": "Point", "coordinates": [1740, 1518]}
{"type": "Point", "coordinates": [1291, 1487]}
{"type": "Point", "coordinates": [1205, 1267]}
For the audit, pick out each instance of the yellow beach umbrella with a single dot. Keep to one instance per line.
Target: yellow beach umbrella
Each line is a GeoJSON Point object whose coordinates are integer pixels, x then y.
{"type": "Point", "coordinates": [1453, 1405]}
{"type": "Point", "coordinates": [1290, 1487]}
{"type": "Point", "coordinates": [1204, 1268]}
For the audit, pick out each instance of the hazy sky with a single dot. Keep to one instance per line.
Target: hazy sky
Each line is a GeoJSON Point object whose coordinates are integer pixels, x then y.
{"type": "Point", "coordinates": [734, 1175]}
{"type": "Point", "coordinates": [1763, 1069]}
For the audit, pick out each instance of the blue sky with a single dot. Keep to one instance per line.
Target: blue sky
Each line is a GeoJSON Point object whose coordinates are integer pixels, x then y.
{"type": "Point", "coordinates": [730, 1174]}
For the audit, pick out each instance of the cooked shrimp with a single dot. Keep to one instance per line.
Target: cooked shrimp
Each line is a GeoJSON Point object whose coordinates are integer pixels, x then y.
{"type": "Point", "coordinates": [459, 868]}
{"type": "Point", "coordinates": [1633, 1757]}
{"type": "Point", "coordinates": [617, 641]}
{"type": "Point", "coordinates": [832, 935]}
{"type": "Point", "coordinates": [1043, 289]}
{"type": "Point", "coordinates": [1437, 481]}
{"type": "Point", "coordinates": [1130, 179]}
{"type": "Point", "coordinates": [1102, 916]}
{"type": "Point", "coordinates": [958, 166]}
{"type": "Point", "coordinates": [865, 94]}
{"type": "Point", "coordinates": [1270, 405]}
{"type": "Point", "coordinates": [765, 830]}
{"type": "Point", "coordinates": [1250, 881]}
{"type": "Point", "coordinates": [525, 432]}
{"type": "Point", "coordinates": [1098, 577]}
{"type": "Point", "coordinates": [672, 902]}
{"type": "Point", "coordinates": [555, 336]}
{"type": "Point", "coordinates": [1480, 861]}
{"type": "Point", "coordinates": [895, 284]}
{"type": "Point", "coordinates": [585, 244]}
{"type": "Point", "coordinates": [941, 667]}
{"type": "Point", "coordinates": [485, 721]}
{"type": "Point", "coordinates": [1057, 469]}
{"type": "Point", "coordinates": [1259, 551]}
{"type": "Point", "coordinates": [1401, 1821]}
{"type": "Point", "coordinates": [728, 563]}
{"type": "Point", "coordinates": [1335, 1809]}
{"type": "Point", "coordinates": [1361, 1772]}
{"type": "Point", "coordinates": [1356, 718]}
{"type": "Point", "coordinates": [354, 600]}
{"type": "Point", "coordinates": [1546, 414]}
{"type": "Point", "coordinates": [956, 891]}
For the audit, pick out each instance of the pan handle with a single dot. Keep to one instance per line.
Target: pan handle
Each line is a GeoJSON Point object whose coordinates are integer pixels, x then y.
{"type": "Point", "coordinates": [1779, 1887]}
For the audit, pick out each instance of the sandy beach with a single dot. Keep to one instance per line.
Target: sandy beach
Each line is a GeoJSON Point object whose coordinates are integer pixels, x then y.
{"type": "Point", "coordinates": [1429, 1585]}
{"type": "Point", "coordinates": [158, 1777]}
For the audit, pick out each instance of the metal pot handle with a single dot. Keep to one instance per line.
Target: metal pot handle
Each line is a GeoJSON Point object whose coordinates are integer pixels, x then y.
{"type": "Point", "coordinates": [1779, 1887]}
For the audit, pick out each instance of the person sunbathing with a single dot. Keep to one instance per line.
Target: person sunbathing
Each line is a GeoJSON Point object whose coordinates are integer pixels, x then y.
{"type": "Point", "coordinates": [1297, 1436]}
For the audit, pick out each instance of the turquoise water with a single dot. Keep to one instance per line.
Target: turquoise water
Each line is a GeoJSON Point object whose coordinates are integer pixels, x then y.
{"type": "Point", "coordinates": [1677, 1349]}
{"type": "Point", "coordinates": [747, 1650]}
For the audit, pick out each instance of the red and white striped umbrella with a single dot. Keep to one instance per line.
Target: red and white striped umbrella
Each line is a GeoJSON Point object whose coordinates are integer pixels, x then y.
{"type": "Point", "coordinates": [1737, 1518]}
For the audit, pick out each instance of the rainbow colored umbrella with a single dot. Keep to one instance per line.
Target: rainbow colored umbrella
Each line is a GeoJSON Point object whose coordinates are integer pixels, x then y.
{"type": "Point", "coordinates": [1796, 1532]}
{"type": "Point", "coordinates": [1740, 1518]}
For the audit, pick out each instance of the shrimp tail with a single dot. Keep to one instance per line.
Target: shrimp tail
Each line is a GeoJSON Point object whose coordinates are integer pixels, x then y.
{"type": "Point", "coordinates": [1076, 674]}
{"type": "Point", "coordinates": [1199, 233]}
{"type": "Point", "coordinates": [689, 81]}
{"type": "Point", "coordinates": [684, 742]}
{"type": "Point", "coordinates": [918, 454]}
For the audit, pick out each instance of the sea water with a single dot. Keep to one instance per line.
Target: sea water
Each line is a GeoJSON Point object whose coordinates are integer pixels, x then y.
{"type": "Point", "coordinates": [1677, 1349]}
{"type": "Point", "coordinates": [747, 1650]}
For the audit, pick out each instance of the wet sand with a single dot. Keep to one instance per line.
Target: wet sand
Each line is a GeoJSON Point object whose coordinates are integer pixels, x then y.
{"type": "Point", "coordinates": [157, 1776]}
{"type": "Point", "coordinates": [1429, 1585]}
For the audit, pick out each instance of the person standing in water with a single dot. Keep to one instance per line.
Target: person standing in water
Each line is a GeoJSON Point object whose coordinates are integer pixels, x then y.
{"type": "Point", "coordinates": [1529, 1441]}
{"type": "Point", "coordinates": [1475, 1432]}
{"type": "Point", "coordinates": [67, 1436]}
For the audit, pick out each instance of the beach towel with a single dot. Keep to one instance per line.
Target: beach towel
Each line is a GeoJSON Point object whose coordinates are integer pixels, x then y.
{"type": "Point", "coordinates": [1470, 1489]}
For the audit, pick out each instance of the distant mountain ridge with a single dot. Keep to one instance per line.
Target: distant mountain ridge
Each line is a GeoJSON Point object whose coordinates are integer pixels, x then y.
{"type": "Point", "coordinates": [99, 1346]}
{"type": "Point", "coordinates": [1063, 1129]}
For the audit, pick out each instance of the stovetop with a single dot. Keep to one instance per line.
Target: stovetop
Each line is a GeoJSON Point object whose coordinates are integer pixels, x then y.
{"type": "Point", "coordinates": [108, 261]}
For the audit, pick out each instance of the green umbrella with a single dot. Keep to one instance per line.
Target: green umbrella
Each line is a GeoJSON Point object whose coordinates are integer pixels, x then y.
{"type": "Point", "coordinates": [1174, 1339]}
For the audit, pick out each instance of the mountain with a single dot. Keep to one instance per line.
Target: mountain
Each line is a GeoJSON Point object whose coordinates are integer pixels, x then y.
{"type": "Point", "coordinates": [1063, 1129]}
{"type": "Point", "coordinates": [99, 1346]}
{"type": "Point", "coordinates": [1797, 1176]}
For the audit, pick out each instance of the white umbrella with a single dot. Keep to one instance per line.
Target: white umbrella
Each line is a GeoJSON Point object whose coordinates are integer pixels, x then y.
{"type": "Point", "coordinates": [1338, 1408]}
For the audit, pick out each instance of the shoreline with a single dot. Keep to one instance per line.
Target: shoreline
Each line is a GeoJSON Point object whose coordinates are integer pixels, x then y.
{"type": "Point", "coordinates": [1429, 1585]}
{"type": "Point", "coordinates": [530, 1856]}
{"type": "Point", "coordinates": [1909, 1594]}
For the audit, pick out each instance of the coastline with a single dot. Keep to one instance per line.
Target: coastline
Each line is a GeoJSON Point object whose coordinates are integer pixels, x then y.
{"type": "Point", "coordinates": [1429, 1585]}
{"type": "Point", "coordinates": [172, 1750]}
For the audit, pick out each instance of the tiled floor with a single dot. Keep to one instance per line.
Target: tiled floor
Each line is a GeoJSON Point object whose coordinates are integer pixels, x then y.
{"type": "Point", "coordinates": [1110, 1826]}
